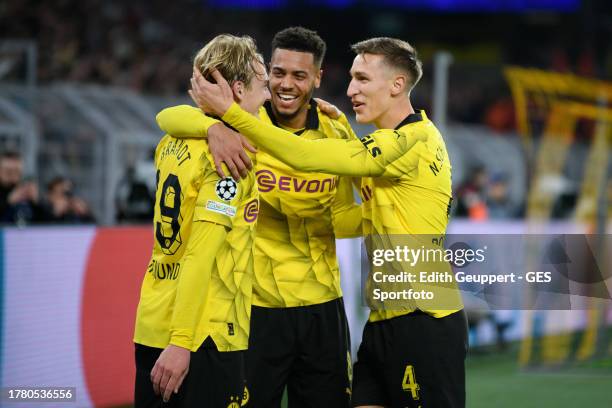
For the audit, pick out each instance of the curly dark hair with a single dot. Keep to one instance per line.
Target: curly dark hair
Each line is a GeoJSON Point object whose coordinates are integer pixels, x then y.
{"type": "Point", "coordinates": [301, 39]}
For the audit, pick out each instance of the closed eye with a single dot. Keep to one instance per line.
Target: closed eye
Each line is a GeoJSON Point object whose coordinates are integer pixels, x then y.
{"type": "Point", "coordinates": [360, 77]}
{"type": "Point", "coordinates": [278, 72]}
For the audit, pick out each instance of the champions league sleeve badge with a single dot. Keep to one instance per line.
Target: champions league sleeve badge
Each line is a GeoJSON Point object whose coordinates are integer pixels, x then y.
{"type": "Point", "coordinates": [226, 189]}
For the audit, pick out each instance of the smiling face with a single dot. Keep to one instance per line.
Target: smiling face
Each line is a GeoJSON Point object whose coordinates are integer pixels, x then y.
{"type": "Point", "coordinates": [371, 88]}
{"type": "Point", "coordinates": [293, 78]}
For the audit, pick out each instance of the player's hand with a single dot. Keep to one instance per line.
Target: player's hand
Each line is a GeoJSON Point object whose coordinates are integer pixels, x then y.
{"type": "Point", "coordinates": [327, 108]}
{"type": "Point", "coordinates": [211, 98]}
{"type": "Point", "coordinates": [170, 370]}
{"type": "Point", "coordinates": [227, 146]}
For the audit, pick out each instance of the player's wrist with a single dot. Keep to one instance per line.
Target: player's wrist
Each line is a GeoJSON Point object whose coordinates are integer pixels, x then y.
{"type": "Point", "coordinates": [232, 113]}
{"type": "Point", "coordinates": [210, 123]}
{"type": "Point", "coordinates": [232, 107]}
{"type": "Point", "coordinates": [214, 131]}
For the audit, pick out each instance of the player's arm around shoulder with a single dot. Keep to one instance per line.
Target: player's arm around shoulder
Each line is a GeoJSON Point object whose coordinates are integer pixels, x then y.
{"type": "Point", "coordinates": [332, 117]}
{"type": "Point", "coordinates": [227, 146]}
{"type": "Point", "coordinates": [346, 127]}
{"type": "Point", "coordinates": [346, 213]}
{"type": "Point", "coordinates": [384, 145]}
{"type": "Point", "coordinates": [184, 121]}
{"type": "Point", "coordinates": [397, 151]}
{"type": "Point", "coordinates": [343, 130]}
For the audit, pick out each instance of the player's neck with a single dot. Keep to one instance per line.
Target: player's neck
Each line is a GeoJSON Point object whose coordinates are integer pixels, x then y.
{"type": "Point", "coordinates": [395, 115]}
{"type": "Point", "coordinates": [297, 121]}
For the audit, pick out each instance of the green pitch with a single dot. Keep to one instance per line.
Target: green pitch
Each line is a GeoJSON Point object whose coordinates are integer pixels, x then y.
{"type": "Point", "coordinates": [495, 380]}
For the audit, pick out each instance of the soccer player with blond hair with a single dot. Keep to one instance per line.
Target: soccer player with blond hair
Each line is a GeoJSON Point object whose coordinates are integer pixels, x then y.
{"type": "Point", "coordinates": [193, 318]}
{"type": "Point", "coordinates": [411, 354]}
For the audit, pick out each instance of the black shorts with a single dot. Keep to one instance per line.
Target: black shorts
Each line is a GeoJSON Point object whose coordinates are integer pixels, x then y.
{"type": "Point", "coordinates": [215, 379]}
{"type": "Point", "coordinates": [306, 349]}
{"type": "Point", "coordinates": [414, 360]}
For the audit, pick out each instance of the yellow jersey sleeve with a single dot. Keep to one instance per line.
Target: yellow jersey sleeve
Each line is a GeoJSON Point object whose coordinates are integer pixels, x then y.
{"type": "Point", "coordinates": [185, 121]}
{"type": "Point", "coordinates": [192, 292]}
{"type": "Point", "coordinates": [346, 214]}
{"type": "Point", "coordinates": [218, 199]}
{"type": "Point", "coordinates": [343, 120]}
{"type": "Point", "coordinates": [375, 155]}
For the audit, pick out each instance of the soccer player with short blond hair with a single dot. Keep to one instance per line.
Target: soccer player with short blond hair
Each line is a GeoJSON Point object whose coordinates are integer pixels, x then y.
{"type": "Point", "coordinates": [412, 355]}
{"type": "Point", "coordinates": [193, 318]}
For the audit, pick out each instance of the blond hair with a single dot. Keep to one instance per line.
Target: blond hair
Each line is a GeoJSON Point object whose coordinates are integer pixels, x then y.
{"type": "Point", "coordinates": [234, 57]}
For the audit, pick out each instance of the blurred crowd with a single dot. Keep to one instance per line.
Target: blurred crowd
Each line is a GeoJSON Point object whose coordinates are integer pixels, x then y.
{"type": "Point", "coordinates": [485, 196]}
{"type": "Point", "coordinates": [135, 196]}
{"type": "Point", "coordinates": [22, 203]}
{"type": "Point", "coordinates": [142, 45]}
{"type": "Point", "coordinates": [147, 46]}
{"type": "Point", "coordinates": [106, 42]}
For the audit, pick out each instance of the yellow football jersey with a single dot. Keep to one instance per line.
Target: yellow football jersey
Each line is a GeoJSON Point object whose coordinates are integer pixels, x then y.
{"type": "Point", "coordinates": [189, 191]}
{"type": "Point", "coordinates": [301, 214]}
{"type": "Point", "coordinates": [406, 184]}
{"type": "Point", "coordinates": [295, 246]}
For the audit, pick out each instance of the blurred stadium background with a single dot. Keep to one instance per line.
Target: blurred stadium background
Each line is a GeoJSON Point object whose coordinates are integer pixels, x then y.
{"type": "Point", "coordinates": [519, 88]}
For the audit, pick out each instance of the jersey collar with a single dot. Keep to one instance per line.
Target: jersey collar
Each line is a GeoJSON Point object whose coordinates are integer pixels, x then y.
{"type": "Point", "coordinates": [417, 116]}
{"type": "Point", "coordinates": [312, 117]}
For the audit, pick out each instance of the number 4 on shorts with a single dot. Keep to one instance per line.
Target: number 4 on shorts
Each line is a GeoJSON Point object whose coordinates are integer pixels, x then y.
{"type": "Point", "coordinates": [409, 383]}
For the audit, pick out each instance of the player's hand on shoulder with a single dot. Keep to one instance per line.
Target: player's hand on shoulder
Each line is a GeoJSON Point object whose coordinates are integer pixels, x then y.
{"type": "Point", "coordinates": [329, 109]}
{"type": "Point", "coordinates": [215, 98]}
{"type": "Point", "coordinates": [170, 370]}
{"type": "Point", "coordinates": [227, 146]}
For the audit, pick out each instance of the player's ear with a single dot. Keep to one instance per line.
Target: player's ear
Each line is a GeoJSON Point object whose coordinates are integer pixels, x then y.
{"type": "Point", "coordinates": [318, 77]}
{"type": "Point", "coordinates": [398, 85]}
{"type": "Point", "coordinates": [238, 89]}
